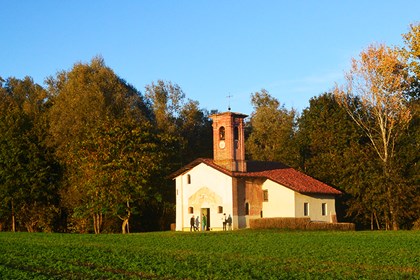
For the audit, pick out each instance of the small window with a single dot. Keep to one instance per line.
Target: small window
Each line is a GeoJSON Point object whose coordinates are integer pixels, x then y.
{"type": "Point", "coordinates": [222, 133]}
{"type": "Point", "coordinates": [324, 209]}
{"type": "Point", "coordinates": [236, 133]}
{"type": "Point", "coordinates": [306, 209]}
{"type": "Point", "coordinates": [220, 211]}
{"type": "Point", "coordinates": [236, 137]}
{"type": "Point", "coordinates": [247, 208]}
{"type": "Point", "coordinates": [190, 210]}
{"type": "Point", "coordinates": [265, 194]}
{"type": "Point", "coordinates": [188, 179]}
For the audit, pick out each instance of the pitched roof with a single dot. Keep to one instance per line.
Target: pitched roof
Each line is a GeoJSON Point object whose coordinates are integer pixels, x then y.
{"type": "Point", "coordinates": [288, 177]}
{"type": "Point", "coordinates": [275, 171]}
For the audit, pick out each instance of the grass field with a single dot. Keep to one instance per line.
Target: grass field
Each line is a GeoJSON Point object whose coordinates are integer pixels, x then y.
{"type": "Point", "coordinates": [245, 254]}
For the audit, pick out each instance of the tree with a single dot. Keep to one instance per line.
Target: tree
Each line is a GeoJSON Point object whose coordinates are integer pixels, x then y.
{"type": "Point", "coordinates": [185, 133]}
{"type": "Point", "coordinates": [377, 82]}
{"type": "Point", "coordinates": [409, 143]}
{"type": "Point", "coordinates": [166, 100]}
{"type": "Point", "coordinates": [325, 135]}
{"type": "Point", "coordinates": [411, 52]}
{"type": "Point", "coordinates": [29, 173]}
{"type": "Point", "coordinates": [335, 150]}
{"type": "Point", "coordinates": [98, 122]}
{"type": "Point", "coordinates": [195, 127]}
{"type": "Point", "coordinates": [272, 129]}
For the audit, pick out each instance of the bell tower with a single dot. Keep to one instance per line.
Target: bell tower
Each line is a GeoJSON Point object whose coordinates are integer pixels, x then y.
{"type": "Point", "coordinates": [229, 141]}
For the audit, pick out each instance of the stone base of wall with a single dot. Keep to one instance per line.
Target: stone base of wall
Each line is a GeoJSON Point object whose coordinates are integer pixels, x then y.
{"type": "Point", "coordinates": [297, 224]}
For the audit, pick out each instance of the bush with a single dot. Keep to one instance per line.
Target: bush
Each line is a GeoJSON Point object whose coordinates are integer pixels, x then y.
{"type": "Point", "coordinates": [330, 226]}
{"type": "Point", "coordinates": [297, 224]}
{"type": "Point", "coordinates": [416, 224]}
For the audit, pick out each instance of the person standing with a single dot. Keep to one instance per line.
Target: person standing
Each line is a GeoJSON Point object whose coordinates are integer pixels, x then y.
{"type": "Point", "coordinates": [204, 222]}
{"type": "Point", "coordinates": [224, 221]}
{"type": "Point", "coordinates": [197, 223]}
{"type": "Point", "coordinates": [229, 222]}
{"type": "Point", "coordinates": [192, 220]}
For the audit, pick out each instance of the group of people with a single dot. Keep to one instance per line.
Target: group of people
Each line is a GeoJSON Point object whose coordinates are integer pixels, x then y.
{"type": "Point", "coordinates": [195, 223]}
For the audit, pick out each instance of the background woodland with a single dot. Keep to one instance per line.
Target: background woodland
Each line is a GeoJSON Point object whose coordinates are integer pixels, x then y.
{"type": "Point", "coordinates": [88, 152]}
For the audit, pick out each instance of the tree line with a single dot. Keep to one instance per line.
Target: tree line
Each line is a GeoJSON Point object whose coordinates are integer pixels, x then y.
{"type": "Point", "coordinates": [90, 153]}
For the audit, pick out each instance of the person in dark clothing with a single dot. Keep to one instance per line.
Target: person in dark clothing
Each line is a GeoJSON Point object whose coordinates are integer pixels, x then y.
{"type": "Point", "coordinates": [229, 222]}
{"type": "Point", "coordinates": [192, 221]}
{"type": "Point", "coordinates": [197, 222]}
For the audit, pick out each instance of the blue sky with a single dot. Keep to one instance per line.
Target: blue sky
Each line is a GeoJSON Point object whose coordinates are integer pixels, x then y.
{"type": "Point", "coordinates": [294, 49]}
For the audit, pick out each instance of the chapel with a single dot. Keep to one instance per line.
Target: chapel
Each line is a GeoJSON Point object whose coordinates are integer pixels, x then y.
{"type": "Point", "coordinates": [229, 185]}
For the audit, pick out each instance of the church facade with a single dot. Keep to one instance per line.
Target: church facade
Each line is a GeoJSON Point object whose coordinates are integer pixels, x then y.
{"type": "Point", "coordinates": [228, 185]}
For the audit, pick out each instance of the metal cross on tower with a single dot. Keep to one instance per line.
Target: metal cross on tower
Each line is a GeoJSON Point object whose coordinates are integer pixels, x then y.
{"type": "Point", "coordinates": [229, 96]}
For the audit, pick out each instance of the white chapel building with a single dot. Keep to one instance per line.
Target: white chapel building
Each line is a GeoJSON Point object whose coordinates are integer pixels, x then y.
{"type": "Point", "coordinates": [228, 184]}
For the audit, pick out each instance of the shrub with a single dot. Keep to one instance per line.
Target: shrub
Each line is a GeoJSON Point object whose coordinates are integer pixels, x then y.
{"type": "Point", "coordinates": [297, 224]}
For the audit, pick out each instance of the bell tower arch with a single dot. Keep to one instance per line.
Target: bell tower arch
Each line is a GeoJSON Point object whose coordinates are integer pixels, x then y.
{"type": "Point", "coordinates": [229, 141]}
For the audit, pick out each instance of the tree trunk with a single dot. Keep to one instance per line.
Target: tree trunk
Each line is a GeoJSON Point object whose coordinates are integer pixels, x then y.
{"type": "Point", "coordinates": [392, 218]}
{"type": "Point", "coordinates": [377, 221]}
{"type": "Point", "coordinates": [371, 221]}
{"type": "Point", "coordinates": [13, 218]}
{"type": "Point", "coordinates": [125, 227]}
{"type": "Point", "coordinates": [97, 223]}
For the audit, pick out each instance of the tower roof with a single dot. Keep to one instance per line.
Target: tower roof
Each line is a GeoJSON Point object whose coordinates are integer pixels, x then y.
{"type": "Point", "coordinates": [228, 113]}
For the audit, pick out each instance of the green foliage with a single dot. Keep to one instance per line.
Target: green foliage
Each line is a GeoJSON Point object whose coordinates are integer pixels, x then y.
{"type": "Point", "coordinates": [101, 129]}
{"type": "Point", "coordinates": [271, 130]}
{"type": "Point", "coordinates": [265, 254]}
{"type": "Point", "coordinates": [115, 148]}
{"type": "Point", "coordinates": [29, 174]}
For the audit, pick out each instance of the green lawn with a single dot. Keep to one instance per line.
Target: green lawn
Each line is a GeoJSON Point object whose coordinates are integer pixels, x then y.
{"type": "Point", "coordinates": [244, 254]}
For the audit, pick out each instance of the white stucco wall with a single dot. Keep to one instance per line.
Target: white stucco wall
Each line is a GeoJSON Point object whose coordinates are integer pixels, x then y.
{"type": "Point", "coordinates": [284, 202]}
{"type": "Point", "coordinates": [209, 188]}
{"type": "Point", "coordinates": [281, 201]}
{"type": "Point", "coordinates": [315, 206]}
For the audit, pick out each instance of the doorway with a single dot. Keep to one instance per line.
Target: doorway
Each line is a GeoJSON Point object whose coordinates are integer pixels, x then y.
{"type": "Point", "coordinates": [205, 212]}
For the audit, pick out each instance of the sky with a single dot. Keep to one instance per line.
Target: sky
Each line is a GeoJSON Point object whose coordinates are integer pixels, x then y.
{"type": "Point", "coordinates": [295, 50]}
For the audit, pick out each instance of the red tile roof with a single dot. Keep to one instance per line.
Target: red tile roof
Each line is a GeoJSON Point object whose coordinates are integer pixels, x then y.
{"type": "Point", "coordinates": [288, 177]}
{"type": "Point", "coordinates": [275, 171]}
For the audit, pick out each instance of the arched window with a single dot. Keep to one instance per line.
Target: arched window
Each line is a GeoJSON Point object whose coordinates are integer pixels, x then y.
{"type": "Point", "coordinates": [247, 208]}
{"type": "Point", "coordinates": [222, 133]}
{"type": "Point", "coordinates": [188, 179]}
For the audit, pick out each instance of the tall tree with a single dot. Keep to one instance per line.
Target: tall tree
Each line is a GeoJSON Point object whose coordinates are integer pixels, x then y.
{"type": "Point", "coordinates": [195, 127]}
{"type": "Point", "coordinates": [98, 122]}
{"type": "Point", "coordinates": [409, 144]}
{"type": "Point", "coordinates": [272, 128]}
{"type": "Point", "coordinates": [334, 150]}
{"type": "Point", "coordinates": [378, 80]}
{"type": "Point", "coordinates": [325, 134]}
{"type": "Point", "coordinates": [184, 131]}
{"type": "Point", "coordinates": [166, 100]}
{"type": "Point", "coordinates": [29, 174]}
{"type": "Point", "coordinates": [411, 51]}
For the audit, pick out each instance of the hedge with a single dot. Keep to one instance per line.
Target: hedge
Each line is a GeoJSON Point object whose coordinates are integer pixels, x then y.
{"type": "Point", "coordinates": [297, 224]}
